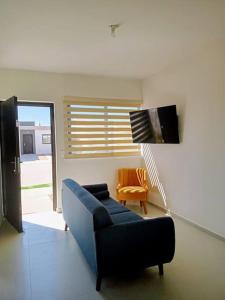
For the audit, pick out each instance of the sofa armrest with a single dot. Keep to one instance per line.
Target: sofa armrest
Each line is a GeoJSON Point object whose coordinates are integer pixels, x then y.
{"type": "Point", "coordinates": [135, 245]}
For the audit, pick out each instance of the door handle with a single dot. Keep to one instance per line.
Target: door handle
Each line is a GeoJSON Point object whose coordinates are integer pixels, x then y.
{"type": "Point", "coordinates": [16, 164]}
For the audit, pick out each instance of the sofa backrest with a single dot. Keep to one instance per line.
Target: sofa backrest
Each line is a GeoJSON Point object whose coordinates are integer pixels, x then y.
{"type": "Point", "coordinates": [83, 214]}
{"type": "Point", "coordinates": [99, 191]}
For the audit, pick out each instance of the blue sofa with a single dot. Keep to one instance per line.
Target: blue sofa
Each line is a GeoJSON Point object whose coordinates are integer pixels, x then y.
{"type": "Point", "coordinates": [112, 238]}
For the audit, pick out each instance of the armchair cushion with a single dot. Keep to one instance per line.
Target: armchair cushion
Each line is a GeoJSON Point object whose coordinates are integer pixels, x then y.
{"type": "Point", "coordinates": [132, 189]}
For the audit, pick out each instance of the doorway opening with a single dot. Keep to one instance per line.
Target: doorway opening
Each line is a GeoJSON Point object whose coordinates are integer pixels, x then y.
{"type": "Point", "coordinates": [37, 157]}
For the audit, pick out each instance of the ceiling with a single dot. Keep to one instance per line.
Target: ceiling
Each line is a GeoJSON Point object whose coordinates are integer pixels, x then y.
{"type": "Point", "coordinates": [73, 36]}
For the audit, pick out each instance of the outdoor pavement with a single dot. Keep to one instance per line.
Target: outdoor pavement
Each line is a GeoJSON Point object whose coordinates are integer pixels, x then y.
{"type": "Point", "coordinates": [36, 170]}
{"type": "Point", "coordinates": [28, 157]}
{"type": "Point", "coordinates": [36, 200]}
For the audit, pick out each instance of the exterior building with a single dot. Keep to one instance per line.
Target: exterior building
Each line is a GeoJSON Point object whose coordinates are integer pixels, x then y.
{"type": "Point", "coordinates": [34, 139]}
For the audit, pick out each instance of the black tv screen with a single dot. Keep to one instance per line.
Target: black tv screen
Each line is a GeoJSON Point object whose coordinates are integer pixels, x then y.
{"type": "Point", "coordinates": [155, 125]}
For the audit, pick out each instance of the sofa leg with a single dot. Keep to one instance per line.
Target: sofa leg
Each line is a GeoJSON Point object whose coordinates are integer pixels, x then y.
{"type": "Point", "coordinates": [160, 269]}
{"type": "Point", "coordinates": [66, 227]}
{"type": "Point", "coordinates": [98, 283]}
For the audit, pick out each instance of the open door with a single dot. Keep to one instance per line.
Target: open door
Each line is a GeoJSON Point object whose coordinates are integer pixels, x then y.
{"type": "Point", "coordinates": [10, 163]}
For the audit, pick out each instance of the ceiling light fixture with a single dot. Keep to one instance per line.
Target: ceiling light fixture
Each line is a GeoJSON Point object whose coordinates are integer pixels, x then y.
{"type": "Point", "coordinates": [113, 28]}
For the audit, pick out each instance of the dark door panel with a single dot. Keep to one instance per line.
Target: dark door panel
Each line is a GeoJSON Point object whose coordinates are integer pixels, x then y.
{"type": "Point", "coordinates": [10, 163]}
{"type": "Point", "coordinates": [28, 144]}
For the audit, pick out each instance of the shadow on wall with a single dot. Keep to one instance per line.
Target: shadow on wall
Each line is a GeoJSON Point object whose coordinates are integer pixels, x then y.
{"type": "Point", "coordinates": [157, 193]}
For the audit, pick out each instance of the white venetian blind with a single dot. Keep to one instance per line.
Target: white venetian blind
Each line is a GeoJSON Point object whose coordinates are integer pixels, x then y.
{"type": "Point", "coordinates": [98, 128]}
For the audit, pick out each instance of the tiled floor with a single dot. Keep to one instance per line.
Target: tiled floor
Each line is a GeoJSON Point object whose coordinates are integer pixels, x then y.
{"type": "Point", "coordinates": [45, 263]}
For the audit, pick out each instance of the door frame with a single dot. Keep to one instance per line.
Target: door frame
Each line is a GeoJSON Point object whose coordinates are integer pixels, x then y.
{"type": "Point", "coordinates": [53, 148]}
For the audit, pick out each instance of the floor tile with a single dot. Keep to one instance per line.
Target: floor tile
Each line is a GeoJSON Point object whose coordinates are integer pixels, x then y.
{"type": "Point", "coordinates": [46, 263]}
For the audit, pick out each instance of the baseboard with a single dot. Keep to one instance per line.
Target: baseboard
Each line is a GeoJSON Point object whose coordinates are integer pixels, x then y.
{"type": "Point", "coordinates": [165, 210]}
{"type": "Point", "coordinates": [196, 225]}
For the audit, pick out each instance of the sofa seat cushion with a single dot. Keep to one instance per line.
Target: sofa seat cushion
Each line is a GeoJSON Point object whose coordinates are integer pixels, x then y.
{"type": "Point", "coordinates": [113, 207]}
{"type": "Point", "coordinates": [125, 217]}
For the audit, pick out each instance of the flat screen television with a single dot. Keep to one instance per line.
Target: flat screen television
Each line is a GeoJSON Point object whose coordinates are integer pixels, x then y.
{"type": "Point", "coordinates": [155, 125]}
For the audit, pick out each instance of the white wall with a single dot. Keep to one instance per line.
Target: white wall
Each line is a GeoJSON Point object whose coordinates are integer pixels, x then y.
{"type": "Point", "coordinates": [193, 172]}
{"type": "Point", "coordinates": [42, 149]}
{"type": "Point", "coordinates": [40, 86]}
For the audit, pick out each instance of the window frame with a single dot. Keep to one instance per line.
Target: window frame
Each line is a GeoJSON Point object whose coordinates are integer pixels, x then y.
{"type": "Point", "coordinates": [99, 126]}
{"type": "Point", "coordinates": [44, 135]}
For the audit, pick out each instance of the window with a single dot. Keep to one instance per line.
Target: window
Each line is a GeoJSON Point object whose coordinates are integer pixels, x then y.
{"type": "Point", "coordinates": [46, 138]}
{"type": "Point", "coordinates": [98, 128]}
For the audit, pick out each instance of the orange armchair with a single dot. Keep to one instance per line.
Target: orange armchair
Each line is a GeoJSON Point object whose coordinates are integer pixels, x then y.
{"type": "Point", "coordinates": [132, 185]}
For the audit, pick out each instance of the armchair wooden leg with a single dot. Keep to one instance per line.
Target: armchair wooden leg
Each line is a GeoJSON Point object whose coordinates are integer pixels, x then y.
{"type": "Point", "coordinates": [98, 283]}
{"type": "Point", "coordinates": [66, 227]}
{"type": "Point", "coordinates": [160, 269]}
{"type": "Point", "coordinates": [140, 203]}
{"type": "Point", "coordinates": [125, 202]}
{"type": "Point", "coordinates": [145, 207]}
